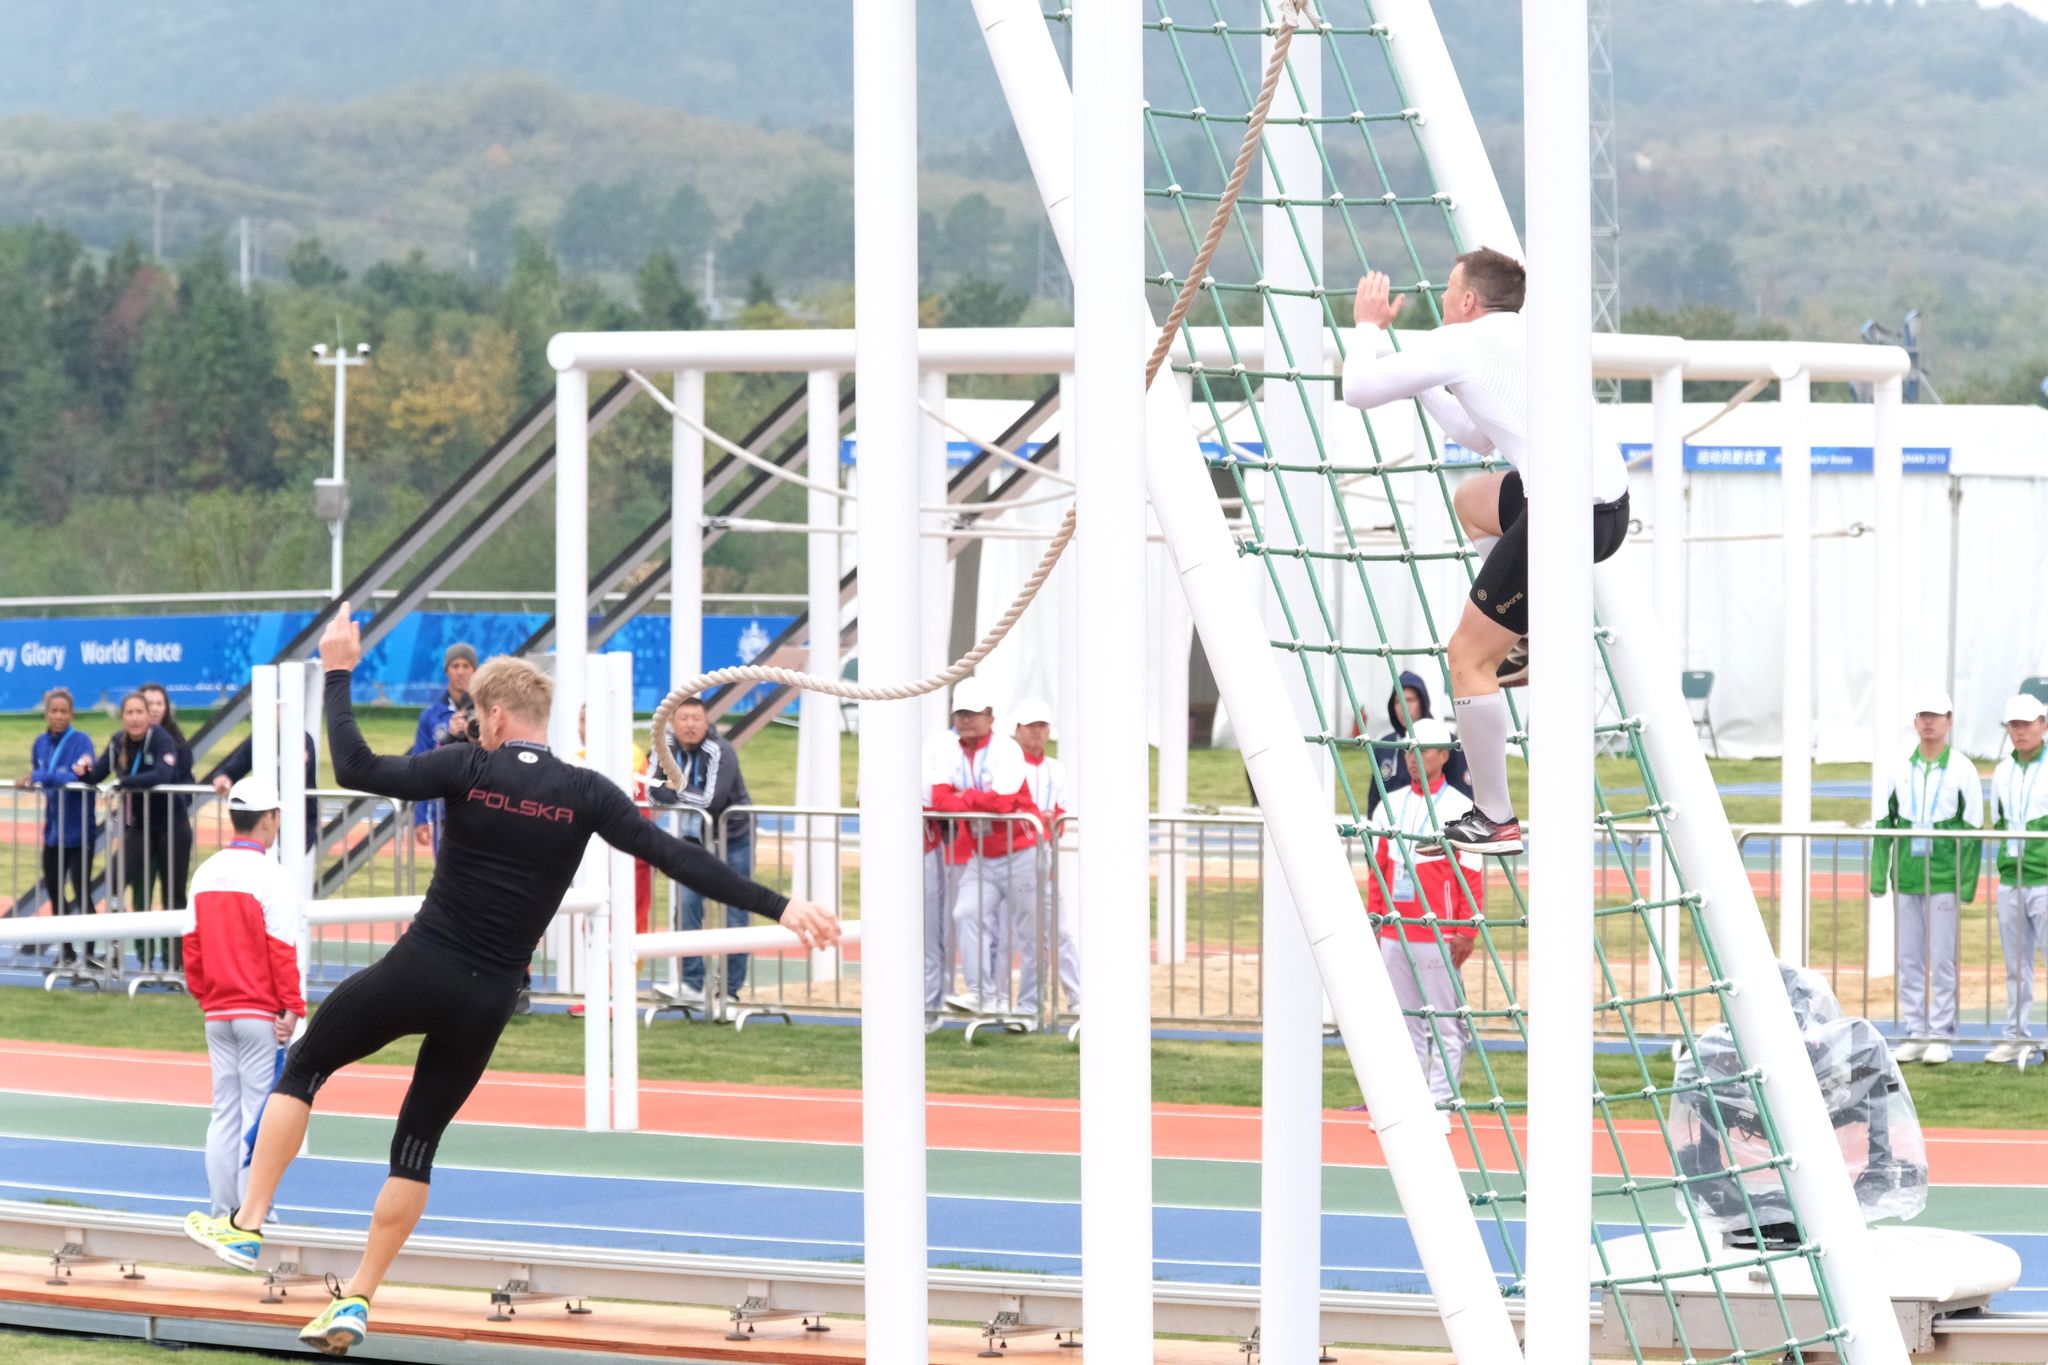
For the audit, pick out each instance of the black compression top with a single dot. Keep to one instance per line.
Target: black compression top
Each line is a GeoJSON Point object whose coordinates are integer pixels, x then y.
{"type": "Point", "coordinates": [518, 820]}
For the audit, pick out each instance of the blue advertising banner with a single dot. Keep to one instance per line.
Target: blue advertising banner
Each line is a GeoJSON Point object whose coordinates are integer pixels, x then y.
{"type": "Point", "coordinates": [1766, 459]}
{"type": "Point", "coordinates": [202, 659]}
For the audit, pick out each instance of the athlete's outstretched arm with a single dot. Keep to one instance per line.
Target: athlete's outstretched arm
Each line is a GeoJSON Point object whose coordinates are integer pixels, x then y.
{"type": "Point", "coordinates": [617, 821]}
{"type": "Point", "coordinates": [430, 776]}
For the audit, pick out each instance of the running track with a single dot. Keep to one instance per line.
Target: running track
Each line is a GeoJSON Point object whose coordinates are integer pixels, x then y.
{"type": "Point", "coordinates": [775, 1172]}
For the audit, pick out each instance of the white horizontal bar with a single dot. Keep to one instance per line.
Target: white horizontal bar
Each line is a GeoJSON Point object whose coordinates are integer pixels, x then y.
{"type": "Point", "coordinates": [1050, 350]}
{"type": "Point", "coordinates": [118, 928]}
{"type": "Point", "coordinates": [320, 595]}
{"type": "Point", "coordinates": [765, 938]}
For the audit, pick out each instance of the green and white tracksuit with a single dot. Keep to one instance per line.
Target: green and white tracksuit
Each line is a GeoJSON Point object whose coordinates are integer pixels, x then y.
{"type": "Point", "coordinates": [2019, 801]}
{"type": "Point", "coordinates": [1933, 876]}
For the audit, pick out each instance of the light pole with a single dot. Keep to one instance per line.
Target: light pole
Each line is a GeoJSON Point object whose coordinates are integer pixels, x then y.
{"type": "Point", "coordinates": [330, 496]}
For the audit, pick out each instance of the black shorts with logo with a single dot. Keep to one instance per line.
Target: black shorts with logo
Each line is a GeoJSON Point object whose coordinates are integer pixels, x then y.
{"type": "Point", "coordinates": [1502, 588]}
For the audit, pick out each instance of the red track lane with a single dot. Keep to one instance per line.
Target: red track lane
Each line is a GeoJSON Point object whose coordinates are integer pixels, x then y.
{"type": "Point", "coordinates": [985, 1123]}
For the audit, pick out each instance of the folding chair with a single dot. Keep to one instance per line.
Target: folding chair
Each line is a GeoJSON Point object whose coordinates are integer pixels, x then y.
{"type": "Point", "coordinates": [1698, 685]}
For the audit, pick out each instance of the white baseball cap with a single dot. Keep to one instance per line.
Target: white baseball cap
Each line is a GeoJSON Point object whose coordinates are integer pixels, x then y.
{"type": "Point", "coordinates": [2025, 707]}
{"type": "Point", "coordinates": [1031, 711]}
{"type": "Point", "coordinates": [253, 793]}
{"type": "Point", "coordinates": [1933, 701]}
{"type": "Point", "coordinates": [1431, 733]}
{"type": "Point", "coordinates": [972, 694]}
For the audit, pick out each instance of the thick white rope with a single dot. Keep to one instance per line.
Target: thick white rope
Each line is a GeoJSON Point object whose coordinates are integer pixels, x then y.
{"type": "Point", "coordinates": [1009, 456]}
{"type": "Point", "coordinates": [1292, 12]}
{"type": "Point", "coordinates": [738, 452]}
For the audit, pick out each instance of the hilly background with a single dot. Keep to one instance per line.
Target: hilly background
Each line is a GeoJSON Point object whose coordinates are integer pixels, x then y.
{"type": "Point", "coordinates": [455, 182]}
{"type": "Point", "coordinates": [1818, 164]}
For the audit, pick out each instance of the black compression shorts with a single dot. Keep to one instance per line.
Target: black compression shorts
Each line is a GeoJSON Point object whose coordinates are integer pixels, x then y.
{"type": "Point", "coordinates": [1502, 588]}
{"type": "Point", "coordinates": [415, 988]}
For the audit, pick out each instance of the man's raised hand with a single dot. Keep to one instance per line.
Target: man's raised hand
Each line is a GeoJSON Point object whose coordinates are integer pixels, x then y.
{"type": "Point", "coordinates": [1372, 304]}
{"type": "Point", "coordinates": [341, 644]}
{"type": "Point", "coordinates": [811, 922]}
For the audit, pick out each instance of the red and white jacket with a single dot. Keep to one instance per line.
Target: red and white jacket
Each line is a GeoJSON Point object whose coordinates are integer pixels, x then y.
{"type": "Point", "coordinates": [1435, 884]}
{"type": "Point", "coordinates": [1047, 778]}
{"type": "Point", "coordinates": [242, 956]}
{"type": "Point", "coordinates": [988, 777]}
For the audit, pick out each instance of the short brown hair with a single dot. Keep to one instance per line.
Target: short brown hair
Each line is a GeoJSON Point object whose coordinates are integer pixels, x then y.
{"type": "Point", "coordinates": [517, 686]}
{"type": "Point", "coordinates": [1497, 278]}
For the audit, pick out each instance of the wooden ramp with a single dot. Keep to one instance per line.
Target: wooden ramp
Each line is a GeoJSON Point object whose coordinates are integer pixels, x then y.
{"type": "Point", "coordinates": [224, 1309]}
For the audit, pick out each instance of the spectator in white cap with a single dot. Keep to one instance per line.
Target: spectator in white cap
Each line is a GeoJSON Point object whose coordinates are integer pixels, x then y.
{"type": "Point", "coordinates": [1426, 897]}
{"type": "Point", "coordinates": [986, 776]}
{"type": "Point", "coordinates": [1031, 722]}
{"type": "Point", "coordinates": [242, 967]}
{"type": "Point", "coordinates": [1935, 789]}
{"type": "Point", "coordinates": [2019, 802]}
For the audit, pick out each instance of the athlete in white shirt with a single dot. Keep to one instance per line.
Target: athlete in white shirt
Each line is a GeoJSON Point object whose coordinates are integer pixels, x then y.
{"type": "Point", "coordinates": [1471, 375]}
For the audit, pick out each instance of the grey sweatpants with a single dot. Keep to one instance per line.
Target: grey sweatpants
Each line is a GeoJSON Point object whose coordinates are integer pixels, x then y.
{"type": "Point", "coordinates": [1422, 977]}
{"type": "Point", "coordinates": [2022, 931]}
{"type": "Point", "coordinates": [938, 932]}
{"type": "Point", "coordinates": [1927, 965]}
{"type": "Point", "coordinates": [1055, 907]}
{"type": "Point", "coordinates": [995, 895]}
{"type": "Point", "coordinates": [244, 1057]}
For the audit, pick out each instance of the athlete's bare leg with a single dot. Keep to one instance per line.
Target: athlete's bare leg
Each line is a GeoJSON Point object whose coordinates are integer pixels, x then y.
{"type": "Point", "coordinates": [399, 1206]}
{"type": "Point", "coordinates": [1477, 503]}
{"type": "Point", "coordinates": [278, 1141]}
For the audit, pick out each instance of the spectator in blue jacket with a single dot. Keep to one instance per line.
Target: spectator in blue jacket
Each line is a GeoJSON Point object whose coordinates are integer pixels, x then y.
{"type": "Point", "coordinates": [139, 758]}
{"type": "Point", "coordinates": [445, 720]}
{"type": "Point", "coordinates": [1407, 704]}
{"type": "Point", "coordinates": [69, 830]}
{"type": "Point", "coordinates": [712, 785]}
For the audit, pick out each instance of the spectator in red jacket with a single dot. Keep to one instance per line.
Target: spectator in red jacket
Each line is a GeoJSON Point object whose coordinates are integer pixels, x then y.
{"type": "Point", "coordinates": [242, 966]}
{"type": "Point", "coordinates": [986, 775]}
{"type": "Point", "coordinates": [1433, 896]}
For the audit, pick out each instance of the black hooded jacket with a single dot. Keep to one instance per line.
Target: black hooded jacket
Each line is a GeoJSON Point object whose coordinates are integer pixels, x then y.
{"type": "Point", "coordinates": [1388, 758]}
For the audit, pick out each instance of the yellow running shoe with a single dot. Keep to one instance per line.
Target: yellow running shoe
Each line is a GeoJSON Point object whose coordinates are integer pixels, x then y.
{"type": "Point", "coordinates": [239, 1248]}
{"type": "Point", "coordinates": [344, 1325]}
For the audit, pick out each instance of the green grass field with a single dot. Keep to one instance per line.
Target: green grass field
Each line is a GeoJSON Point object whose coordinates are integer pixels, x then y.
{"type": "Point", "coordinates": [1215, 776]}
{"type": "Point", "coordinates": [1198, 1072]}
{"type": "Point", "coordinates": [28, 1348]}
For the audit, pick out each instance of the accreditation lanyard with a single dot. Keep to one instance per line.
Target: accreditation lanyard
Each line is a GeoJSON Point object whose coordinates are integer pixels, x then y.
{"type": "Point", "coordinates": [248, 846]}
{"type": "Point", "coordinates": [975, 766]}
{"type": "Point", "coordinates": [1414, 819]}
{"type": "Point", "coordinates": [134, 767]}
{"type": "Point", "coordinates": [1927, 800]}
{"type": "Point", "coordinates": [2024, 809]}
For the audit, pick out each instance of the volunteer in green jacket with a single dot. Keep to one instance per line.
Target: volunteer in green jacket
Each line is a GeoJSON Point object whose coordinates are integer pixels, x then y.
{"type": "Point", "coordinates": [1936, 788]}
{"type": "Point", "coordinates": [2019, 800]}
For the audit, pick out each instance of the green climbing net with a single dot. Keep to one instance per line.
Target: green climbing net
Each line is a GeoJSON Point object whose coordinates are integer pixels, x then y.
{"type": "Point", "coordinates": [1375, 606]}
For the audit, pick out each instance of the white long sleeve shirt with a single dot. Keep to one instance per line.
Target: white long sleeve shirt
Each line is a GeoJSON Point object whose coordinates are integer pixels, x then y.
{"type": "Point", "coordinates": [1473, 378]}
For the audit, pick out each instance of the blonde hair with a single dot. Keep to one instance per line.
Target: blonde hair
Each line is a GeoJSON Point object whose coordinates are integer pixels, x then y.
{"type": "Point", "coordinates": [516, 685]}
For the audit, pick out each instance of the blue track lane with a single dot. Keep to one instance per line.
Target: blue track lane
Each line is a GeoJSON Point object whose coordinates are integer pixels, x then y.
{"type": "Point", "coordinates": [1211, 1246]}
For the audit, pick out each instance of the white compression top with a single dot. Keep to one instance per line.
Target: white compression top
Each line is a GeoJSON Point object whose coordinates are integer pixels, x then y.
{"type": "Point", "coordinates": [1473, 378]}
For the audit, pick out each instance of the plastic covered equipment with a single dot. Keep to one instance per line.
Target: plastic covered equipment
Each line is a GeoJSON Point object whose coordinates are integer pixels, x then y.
{"type": "Point", "coordinates": [1724, 1154]}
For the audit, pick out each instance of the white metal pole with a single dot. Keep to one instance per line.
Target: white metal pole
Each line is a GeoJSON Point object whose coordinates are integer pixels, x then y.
{"type": "Point", "coordinates": [1109, 425]}
{"type": "Point", "coordinates": [1887, 723]}
{"type": "Point", "coordinates": [934, 569]}
{"type": "Point", "coordinates": [1760, 1011]}
{"type": "Point", "coordinates": [1447, 130]}
{"type": "Point", "coordinates": [1795, 392]}
{"type": "Point", "coordinates": [595, 877]}
{"type": "Point", "coordinates": [1310, 856]}
{"type": "Point", "coordinates": [817, 748]}
{"type": "Point", "coordinates": [892, 956]}
{"type": "Point", "coordinates": [1067, 706]}
{"type": "Point", "coordinates": [1291, 1052]}
{"type": "Point", "coordinates": [286, 723]}
{"type": "Point", "coordinates": [1561, 712]}
{"type": "Point", "coordinates": [572, 552]}
{"type": "Point", "coordinates": [341, 363]}
{"type": "Point", "coordinates": [1667, 489]}
{"type": "Point", "coordinates": [625, 964]}
{"type": "Point", "coordinates": [686, 532]}
{"type": "Point", "coordinates": [1176, 639]}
